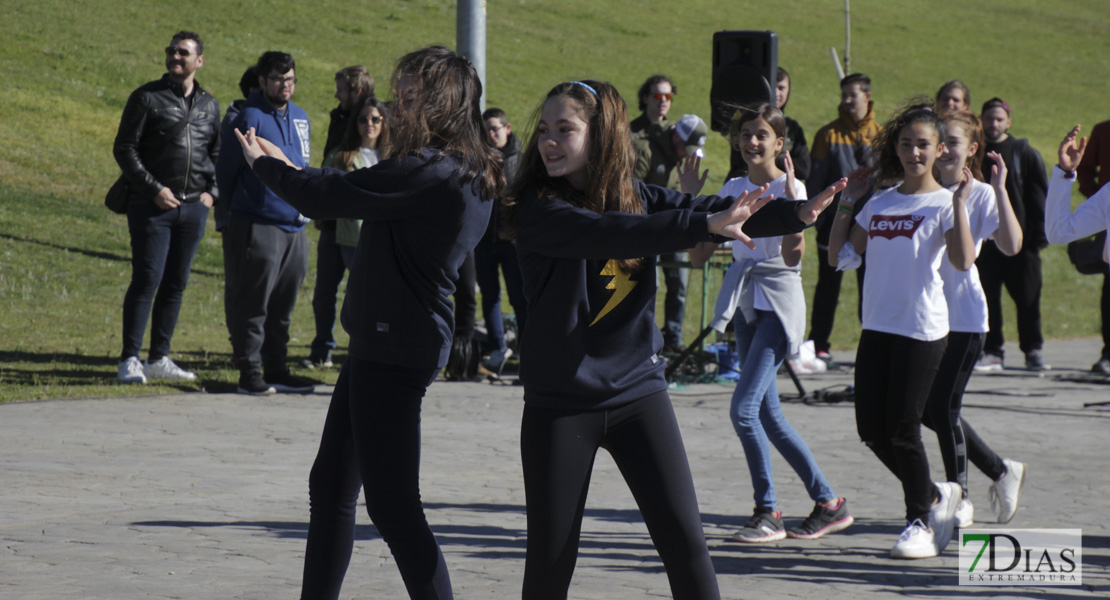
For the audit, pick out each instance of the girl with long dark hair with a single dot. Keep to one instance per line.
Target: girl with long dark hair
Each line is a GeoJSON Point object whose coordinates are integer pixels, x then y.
{"type": "Point", "coordinates": [905, 229]}
{"type": "Point", "coordinates": [587, 235]}
{"type": "Point", "coordinates": [423, 210]}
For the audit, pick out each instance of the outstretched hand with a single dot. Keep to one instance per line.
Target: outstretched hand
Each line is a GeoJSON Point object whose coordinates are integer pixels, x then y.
{"type": "Point", "coordinates": [788, 162]}
{"type": "Point", "coordinates": [730, 222]}
{"type": "Point", "coordinates": [1071, 150]}
{"type": "Point", "coordinates": [688, 180]}
{"type": "Point", "coordinates": [812, 208]}
{"type": "Point", "coordinates": [255, 147]}
{"type": "Point", "coordinates": [998, 170]}
{"type": "Point", "coordinates": [963, 190]}
{"type": "Point", "coordinates": [252, 149]}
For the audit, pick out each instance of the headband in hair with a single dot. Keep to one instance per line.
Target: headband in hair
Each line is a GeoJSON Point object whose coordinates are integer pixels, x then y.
{"type": "Point", "coordinates": [592, 90]}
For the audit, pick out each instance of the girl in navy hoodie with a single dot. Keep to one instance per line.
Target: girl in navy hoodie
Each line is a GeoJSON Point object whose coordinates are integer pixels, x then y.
{"type": "Point", "coordinates": [587, 235]}
{"type": "Point", "coordinates": [422, 211]}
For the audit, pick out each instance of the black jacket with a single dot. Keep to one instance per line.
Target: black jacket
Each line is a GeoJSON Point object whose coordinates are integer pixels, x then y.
{"type": "Point", "coordinates": [419, 223]}
{"type": "Point", "coordinates": [592, 339]}
{"type": "Point", "coordinates": [153, 153]}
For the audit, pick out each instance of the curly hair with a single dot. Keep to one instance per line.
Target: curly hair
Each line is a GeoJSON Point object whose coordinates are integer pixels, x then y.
{"type": "Point", "coordinates": [888, 167]}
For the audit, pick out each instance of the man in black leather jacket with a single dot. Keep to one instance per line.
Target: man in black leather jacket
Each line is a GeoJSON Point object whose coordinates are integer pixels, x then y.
{"type": "Point", "coordinates": [167, 146]}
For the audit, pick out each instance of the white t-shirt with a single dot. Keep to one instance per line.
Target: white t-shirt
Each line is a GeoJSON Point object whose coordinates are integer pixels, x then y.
{"type": "Point", "coordinates": [967, 304]}
{"type": "Point", "coordinates": [768, 247]}
{"type": "Point", "coordinates": [903, 293]}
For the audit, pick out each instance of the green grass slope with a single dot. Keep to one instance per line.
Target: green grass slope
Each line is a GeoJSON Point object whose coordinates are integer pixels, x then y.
{"type": "Point", "coordinates": [68, 68]}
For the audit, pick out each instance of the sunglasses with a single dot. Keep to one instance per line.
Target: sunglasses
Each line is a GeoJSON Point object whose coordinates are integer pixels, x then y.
{"type": "Point", "coordinates": [182, 52]}
{"type": "Point", "coordinates": [365, 120]}
{"type": "Point", "coordinates": [661, 97]}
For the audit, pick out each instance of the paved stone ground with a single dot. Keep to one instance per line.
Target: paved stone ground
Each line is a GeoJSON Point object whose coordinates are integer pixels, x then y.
{"type": "Point", "coordinates": [206, 495]}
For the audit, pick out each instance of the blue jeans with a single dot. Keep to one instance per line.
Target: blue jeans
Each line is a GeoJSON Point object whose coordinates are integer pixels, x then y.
{"type": "Point", "coordinates": [331, 264]}
{"type": "Point", "coordinates": [488, 256]}
{"type": "Point", "coordinates": [163, 243]}
{"type": "Point", "coordinates": [757, 415]}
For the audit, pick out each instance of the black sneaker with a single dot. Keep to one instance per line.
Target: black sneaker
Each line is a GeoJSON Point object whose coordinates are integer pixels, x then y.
{"type": "Point", "coordinates": [764, 526]}
{"type": "Point", "coordinates": [1034, 361]}
{"type": "Point", "coordinates": [287, 383]}
{"type": "Point", "coordinates": [1102, 367]}
{"type": "Point", "coordinates": [252, 384]}
{"type": "Point", "coordinates": [821, 521]}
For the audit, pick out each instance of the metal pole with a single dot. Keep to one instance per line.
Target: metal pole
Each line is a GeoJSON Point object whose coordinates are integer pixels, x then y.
{"type": "Point", "coordinates": [836, 63]}
{"type": "Point", "coordinates": [470, 34]}
{"type": "Point", "coordinates": [847, 37]}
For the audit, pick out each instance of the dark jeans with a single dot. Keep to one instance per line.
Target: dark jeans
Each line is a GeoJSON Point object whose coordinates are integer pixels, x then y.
{"type": "Point", "coordinates": [331, 264]}
{"type": "Point", "coordinates": [826, 295]}
{"type": "Point", "coordinates": [674, 303]}
{"type": "Point", "coordinates": [270, 267]}
{"type": "Point", "coordinates": [488, 256]}
{"type": "Point", "coordinates": [894, 375]}
{"type": "Point", "coordinates": [163, 243]}
{"type": "Point", "coordinates": [958, 441]}
{"type": "Point", "coordinates": [1021, 274]}
{"type": "Point", "coordinates": [372, 440]}
{"type": "Point", "coordinates": [466, 302]}
{"type": "Point", "coordinates": [558, 448]}
{"type": "Point", "coordinates": [1105, 305]}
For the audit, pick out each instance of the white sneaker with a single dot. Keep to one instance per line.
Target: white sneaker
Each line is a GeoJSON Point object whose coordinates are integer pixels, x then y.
{"type": "Point", "coordinates": [1006, 492]}
{"type": "Point", "coordinates": [965, 514]}
{"type": "Point", "coordinates": [497, 359]}
{"type": "Point", "coordinates": [942, 517]}
{"type": "Point", "coordinates": [988, 362]}
{"type": "Point", "coordinates": [164, 368]}
{"type": "Point", "coordinates": [916, 541]}
{"type": "Point", "coordinates": [131, 371]}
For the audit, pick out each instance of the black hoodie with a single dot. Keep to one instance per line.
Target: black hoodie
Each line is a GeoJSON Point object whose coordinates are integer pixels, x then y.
{"type": "Point", "coordinates": [592, 341]}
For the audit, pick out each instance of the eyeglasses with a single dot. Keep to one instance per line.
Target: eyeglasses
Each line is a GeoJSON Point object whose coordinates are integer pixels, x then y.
{"type": "Point", "coordinates": [182, 52]}
{"type": "Point", "coordinates": [662, 97]}
{"type": "Point", "coordinates": [365, 120]}
{"type": "Point", "coordinates": [282, 80]}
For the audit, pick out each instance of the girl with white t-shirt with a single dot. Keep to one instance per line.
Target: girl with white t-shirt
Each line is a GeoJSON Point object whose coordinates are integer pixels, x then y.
{"type": "Point", "coordinates": [990, 216]}
{"type": "Point", "coordinates": [762, 295]}
{"type": "Point", "coordinates": [905, 230]}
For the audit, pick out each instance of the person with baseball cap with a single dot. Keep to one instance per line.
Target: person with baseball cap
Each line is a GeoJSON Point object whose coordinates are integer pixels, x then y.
{"type": "Point", "coordinates": [656, 158]}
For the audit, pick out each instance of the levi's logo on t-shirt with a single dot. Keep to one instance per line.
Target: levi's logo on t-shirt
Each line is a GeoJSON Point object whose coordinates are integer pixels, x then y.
{"type": "Point", "coordinates": [892, 226]}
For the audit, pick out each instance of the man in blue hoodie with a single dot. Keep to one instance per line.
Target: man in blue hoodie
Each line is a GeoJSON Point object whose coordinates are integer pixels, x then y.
{"type": "Point", "coordinates": [266, 235]}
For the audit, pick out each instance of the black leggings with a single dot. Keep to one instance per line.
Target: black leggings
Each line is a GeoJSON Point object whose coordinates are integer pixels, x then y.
{"type": "Point", "coordinates": [958, 441]}
{"type": "Point", "coordinates": [558, 449]}
{"type": "Point", "coordinates": [894, 374]}
{"type": "Point", "coordinates": [372, 440]}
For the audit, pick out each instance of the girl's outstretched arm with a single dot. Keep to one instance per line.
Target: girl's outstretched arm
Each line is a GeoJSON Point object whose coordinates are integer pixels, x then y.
{"type": "Point", "coordinates": [730, 222]}
{"type": "Point", "coordinates": [857, 184]}
{"type": "Point", "coordinates": [809, 211]}
{"type": "Point", "coordinates": [961, 246]}
{"type": "Point", "coordinates": [793, 245]}
{"type": "Point", "coordinates": [1009, 236]}
{"type": "Point", "coordinates": [1060, 224]}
